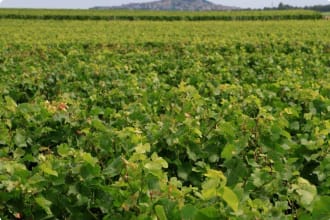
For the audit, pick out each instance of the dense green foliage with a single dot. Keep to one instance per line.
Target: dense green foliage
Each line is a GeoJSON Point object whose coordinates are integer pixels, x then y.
{"type": "Point", "coordinates": [157, 15]}
{"type": "Point", "coordinates": [212, 120]}
{"type": "Point", "coordinates": [160, 32]}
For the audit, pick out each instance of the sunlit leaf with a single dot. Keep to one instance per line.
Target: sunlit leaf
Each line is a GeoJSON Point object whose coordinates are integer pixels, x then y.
{"type": "Point", "coordinates": [230, 197]}
{"type": "Point", "coordinates": [47, 168]}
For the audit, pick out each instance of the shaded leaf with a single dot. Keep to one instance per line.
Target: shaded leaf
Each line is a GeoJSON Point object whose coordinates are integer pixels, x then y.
{"type": "Point", "coordinates": [20, 139]}
{"type": "Point", "coordinates": [188, 212]}
{"type": "Point", "coordinates": [44, 204]}
{"type": "Point", "coordinates": [160, 212]}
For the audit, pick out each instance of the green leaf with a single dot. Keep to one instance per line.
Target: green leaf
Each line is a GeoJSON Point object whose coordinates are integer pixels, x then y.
{"type": "Point", "coordinates": [208, 214]}
{"type": "Point", "coordinates": [48, 169]}
{"type": "Point", "coordinates": [142, 148]}
{"type": "Point", "coordinates": [188, 212]}
{"type": "Point", "coordinates": [227, 129]}
{"type": "Point", "coordinates": [4, 136]}
{"type": "Point", "coordinates": [159, 160]}
{"type": "Point", "coordinates": [209, 193]}
{"type": "Point", "coordinates": [87, 157]}
{"type": "Point", "coordinates": [295, 125]}
{"type": "Point", "coordinates": [307, 196]}
{"type": "Point", "coordinates": [192, 154]}
{"type": "Point", "coordinates": [19, 153]}
{"type": "Point", "coordinates": [98, 125]}
{"type": "Point", "coordinates": [230, 197]}
{"type": "Point", "coordinates": [160, 212]}
{"type": "Point", "coordinates": [321, 208]}
{"type": "Point", "coordinates": [35, 179]}
{"type": "Point", "coordinates": [114, 168]}
{"type": "Point", "coordinates": [153, 166]}
{"type": "Point", "coordinates": [306, 192]}
{"type": "Point", "coordinates": [197, 132]}
{"type": "Point", "coordinates": [184, 171]}
{"type": "Point", "coordinates": [64, 150]}
{"type": "Point", "coordinates": [44, 204]}
{"type": "Point", "coordinates": [257, 177]}
{"type": "Point", "coordinates": [215, 181]}
{"type": "Point", "coordinates": [156, 165]}
{"type": "Point", "coordinates": [20, 139]}
{"type": "Point", "coordinates": [214, 157]}
{"type": "Point", "coordinates": [228, 152]}
{"type": "Point", "coordinates": [10, 104]}
{"type": "Point", "coordinates": [89, 172]}
{"type": "Point", "coordinates": [215, 174]}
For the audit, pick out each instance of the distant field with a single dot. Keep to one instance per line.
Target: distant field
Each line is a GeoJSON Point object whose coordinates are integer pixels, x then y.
{"type": "Point", "coordinates": [126, 32]}
{"type": "Point", "coordinates": [157, 15]}
{"type": "Point", "coordinates": [166, 120]}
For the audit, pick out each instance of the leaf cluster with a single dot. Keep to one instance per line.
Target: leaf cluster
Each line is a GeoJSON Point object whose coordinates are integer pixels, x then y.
{"type": "Point", "coordinates": [165, 131]}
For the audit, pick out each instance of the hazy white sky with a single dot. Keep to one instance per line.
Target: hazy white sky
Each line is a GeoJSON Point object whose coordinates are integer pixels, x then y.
{"type": "Point", "coordinates": [91, 3]}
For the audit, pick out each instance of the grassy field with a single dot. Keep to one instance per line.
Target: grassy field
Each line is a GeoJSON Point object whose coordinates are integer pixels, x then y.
{"type": "Point", "coordinates": [164, 120]}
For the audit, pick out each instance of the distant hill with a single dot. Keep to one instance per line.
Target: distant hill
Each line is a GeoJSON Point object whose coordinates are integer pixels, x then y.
{"type": "Point", "coordinates": [176, 5]}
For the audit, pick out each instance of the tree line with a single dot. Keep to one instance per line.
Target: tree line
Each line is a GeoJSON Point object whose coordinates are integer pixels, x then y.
{"type": "Point", "coordinates": [282, 6]}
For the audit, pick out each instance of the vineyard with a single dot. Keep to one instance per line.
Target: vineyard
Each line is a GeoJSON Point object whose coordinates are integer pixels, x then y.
{"type": "Point", "coordinates": [157, 15]}
{"type": "Point", "coordinates": [164, 120]}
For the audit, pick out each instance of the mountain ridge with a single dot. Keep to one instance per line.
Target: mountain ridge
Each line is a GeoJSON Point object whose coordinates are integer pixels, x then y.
{"type": "Point", "coordinates": [173, 5]}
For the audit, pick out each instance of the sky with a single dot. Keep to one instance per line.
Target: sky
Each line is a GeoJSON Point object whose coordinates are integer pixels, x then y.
{"type": "Point", "coordinates": [92, 3]}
